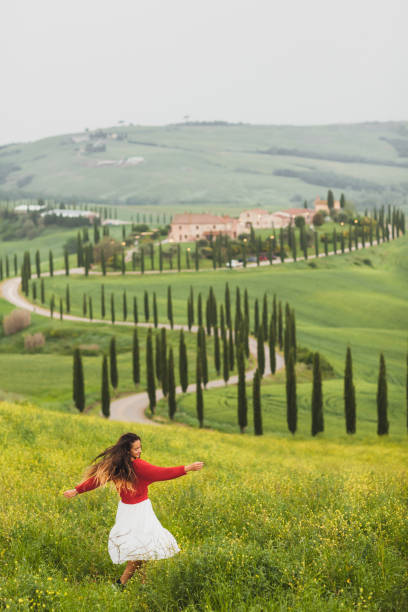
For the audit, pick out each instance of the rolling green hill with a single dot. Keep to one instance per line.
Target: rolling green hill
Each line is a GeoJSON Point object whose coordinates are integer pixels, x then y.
{"type": "Point", "coordinates": [213, 166]}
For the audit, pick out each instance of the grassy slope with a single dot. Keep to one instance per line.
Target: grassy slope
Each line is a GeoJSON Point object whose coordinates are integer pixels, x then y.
{"type": "Point", "coordinates": [213, 166]}
{"type": "Point", "coordinates": [47, 376]}
{"type": "Point", "coordinates": [357, 304]}
{"type": "Point", "coordinates": [267, 525]}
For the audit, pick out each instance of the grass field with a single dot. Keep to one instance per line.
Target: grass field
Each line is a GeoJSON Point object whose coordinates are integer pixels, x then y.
{"type": "Point", "coordinates": [269, 525]}
{"type": "Point", "coordinates": [47, 371]}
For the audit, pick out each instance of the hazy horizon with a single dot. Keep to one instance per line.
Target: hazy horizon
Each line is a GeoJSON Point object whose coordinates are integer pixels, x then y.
{"type": "Point", "coordinates": [88, 65]}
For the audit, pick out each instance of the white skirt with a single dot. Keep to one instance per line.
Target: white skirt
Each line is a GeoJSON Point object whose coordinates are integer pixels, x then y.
{"type": "Point", "coordinates": [138, 535]}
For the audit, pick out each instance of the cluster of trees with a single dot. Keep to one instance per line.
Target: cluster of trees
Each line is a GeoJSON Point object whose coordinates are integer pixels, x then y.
{"type": "Point", "coordinates": [385, 224]}
{"type": "Point", "coordinates": [272, 324]}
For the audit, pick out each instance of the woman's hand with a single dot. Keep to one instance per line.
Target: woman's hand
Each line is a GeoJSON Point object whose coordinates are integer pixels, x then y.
{"type": "Point", "coordinates": [194, 467]}
{"type": "Point", "coordinates": [70, 493]}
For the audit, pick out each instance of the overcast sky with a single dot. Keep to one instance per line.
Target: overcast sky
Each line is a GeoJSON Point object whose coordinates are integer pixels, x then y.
{"type": "Point", "coordinates": [91, 63]}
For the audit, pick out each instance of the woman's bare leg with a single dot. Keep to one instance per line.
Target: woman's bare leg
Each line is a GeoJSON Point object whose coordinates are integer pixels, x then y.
{"type": "Point", "coordinates": [131, 567]}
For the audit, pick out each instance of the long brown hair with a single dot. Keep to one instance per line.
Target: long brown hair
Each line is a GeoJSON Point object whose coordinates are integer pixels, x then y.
{"type": "Point", "coordinates": [115, 464]}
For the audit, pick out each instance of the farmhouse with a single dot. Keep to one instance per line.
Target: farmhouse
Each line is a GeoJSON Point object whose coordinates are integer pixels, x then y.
{"type": "Point", "coordinates": [322, 205]}
{"type": "Point", "coordinates": [188, 227]}
{"type": "Point", "coordinates": [255, 217]}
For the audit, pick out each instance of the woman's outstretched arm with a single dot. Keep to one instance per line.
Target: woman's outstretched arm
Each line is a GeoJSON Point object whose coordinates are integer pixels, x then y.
{"type": "Point", "coordinates": [87, 485]}
{"type": "Point", "coordinates": [153, 473]}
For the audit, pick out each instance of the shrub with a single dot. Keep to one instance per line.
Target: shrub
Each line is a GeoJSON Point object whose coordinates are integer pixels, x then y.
{"type": "Point", "coordinates": [318, 219]}
{"type": "Point", "coordinates": [34, 341]}
{"type": "Point", "coordinates": [16, 321]}
{"type": "Point", "coordinates": [304, 355]}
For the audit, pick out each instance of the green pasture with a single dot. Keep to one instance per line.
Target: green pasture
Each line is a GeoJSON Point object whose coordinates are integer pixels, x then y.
{"type": "Point", "coordinates": [270, 524]}
{"type": "Point", "coordinates": [44, 375]}
{"type": "Point", "coordinates": [220, 408]}
{"type": "Point", "coordinates": [216, 167]}
{"type": "Point", "coordinates": [357, 299]}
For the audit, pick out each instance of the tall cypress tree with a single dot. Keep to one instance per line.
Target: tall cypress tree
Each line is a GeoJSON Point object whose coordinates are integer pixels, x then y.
{"type": "Point", "coordinates": [280, 326]}
{"type": "Point", "coordinates": [330, 199]}
{"type": "Point", "coordinates": [135, 311]}
{"type": "Point", "coordinates": [192, 304]}
{"type": "Point", "coordinates": [163, 366]}
{"type": "Point", "coordinates": [146, 305]}
{"type": "Point", "coordinates": [84, 305]}
{"type": "Point", "coordinates": [66, 262]}
{"type": "Point", "coordinates": [78, 381]}
{"type": "Point", "coordinates": [317, 397]}
{"type": "Point", "coordinates": [105, 395]}
{"type": "Point", "coordinates": [158, 360]}
{"type": "Point", "coordinates": [261, 351]}
{"type": "Point", "coordinates": [199, 392]}
{"type": "Point", "coordinates": [178, 258]}
{"type": "Point", "coordinates": [113, 363]}
{"type": "Point", "coordinates": [170, 307]}
{"type": "Point", "coordinates": [316, 243]}
{"type": "Point", "coordinates": [241, 389]}
{"type": "Point", "coordinates": [103, 262]}
{"type": "Point", "coordinates": [67, 299]}
{"type": "Point", "coordinates": [199, 311]}
{"type": "Point", "coordinates": [155, 313]}
{"type": "Point", "coordinates": [51, 262]}
{"type": "Point", "coordinates": [183, 363]}
{"type": "Point", "coordinates": [256, 317]}
{"type": "Point", "coordinates": [172, 386]}
{"type": "Point", "coordinates": [291, 407]}
{"type": "Point", "coordinates": [225, 358]}
{"type": "Point", "coordinates": [228, 317]}
{"type": "Point", "coordinates": [135, 357]}
{"type": "Point", "coordinates": [52, 306]}
{"type": "Point", "coordinates": [112, 308]}
{"type": "Point", "coordinates": [124, 305]}
{"type": "Point", "coordinates": [382, 399]}
{"type": "Point", "coordinates": [231, 349]}
{"type": "Point", "coordinates": [217, 356]}
{"type": "Point", "coordinates": [103, 302]}
{"type": "Point", "coordinates": [42, 291]}
{"type": "Point", "coordinates": [151, 384]}
{"type": "Point", "coordinates": [349, 395]}
{"type": "Point", "coordinates": [202, 350]}
{"type": "Point", "coordinates": [256, 402]}
{"type": "Point", "coordinates": [265, 316]}
{"type": "Point", "coordinates": [246, 307]}
{"type": "Point", "coordinates": [37, 263]}
{"type": "Point", "coordinates": [272, 345]}
{"type": "Point", "coordinates": [142, 261]}
{"type": "Point", "coordinates": [90, 308]}
{"type": "Point", "coordinates": [190, 313]}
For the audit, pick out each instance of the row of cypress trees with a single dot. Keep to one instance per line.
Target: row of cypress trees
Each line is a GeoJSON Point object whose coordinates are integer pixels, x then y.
{"type": "Point", "coordinates": [349, 396]}
{"type": "Point", "coordinates": [380, 224]}
{"type": "Point", "coordinates": [109, 374]}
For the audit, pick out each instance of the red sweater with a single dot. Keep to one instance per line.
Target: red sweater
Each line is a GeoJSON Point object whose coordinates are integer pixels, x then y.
{"type": "Point", "coordinates": [146, 473]}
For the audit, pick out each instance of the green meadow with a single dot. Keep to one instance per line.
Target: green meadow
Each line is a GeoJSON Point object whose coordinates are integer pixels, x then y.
{"type": "Point", "coordinates": [270, 524]}
{"type": "Point", "coordinates": [357, 299]}
{"type": "Point", "coordinates": [214, 167]}
{"type": "Point", "coordinates": [47, 378]}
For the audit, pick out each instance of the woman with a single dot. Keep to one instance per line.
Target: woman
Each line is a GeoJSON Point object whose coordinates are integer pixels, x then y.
{"type": "Point", "coordinates": [137, 535]}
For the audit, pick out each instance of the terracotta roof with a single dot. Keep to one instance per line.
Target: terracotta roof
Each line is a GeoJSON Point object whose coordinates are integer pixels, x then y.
{"type": "Point", "coordinates": [199, 218]}
{"type": "Point", "coordinates": [298, 211]}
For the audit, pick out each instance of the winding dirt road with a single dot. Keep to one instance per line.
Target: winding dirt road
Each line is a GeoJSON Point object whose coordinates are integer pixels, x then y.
{"type": "Point", "coordinates": [131, 408]}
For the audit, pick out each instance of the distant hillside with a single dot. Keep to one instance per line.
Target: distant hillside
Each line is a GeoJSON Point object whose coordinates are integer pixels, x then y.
{"type": "Point", "coordinates": [213, 165]}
